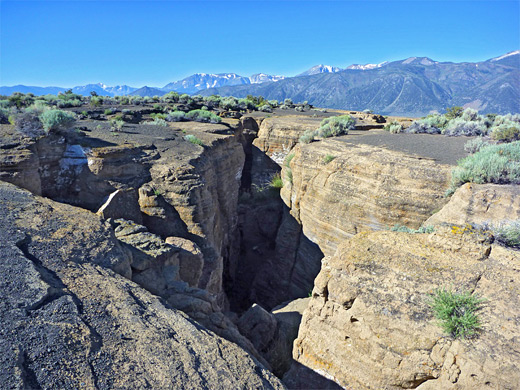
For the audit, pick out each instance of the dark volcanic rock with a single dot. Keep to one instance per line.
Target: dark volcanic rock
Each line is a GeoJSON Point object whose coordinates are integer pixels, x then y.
{"type": "Point", "coordinates": [68, 321]}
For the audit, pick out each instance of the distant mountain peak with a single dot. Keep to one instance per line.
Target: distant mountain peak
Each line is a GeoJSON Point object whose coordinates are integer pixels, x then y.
{"type": "Point", "coordinates": [259, 78]}
{"type": "Point", "coordinates": [419, 60]}
{"type": "Point", "coordinates": [317, 69]}
{"type": "Point", "coordinates": [511, 53]}
{"type": "Point", "coordinates": [366, 66]}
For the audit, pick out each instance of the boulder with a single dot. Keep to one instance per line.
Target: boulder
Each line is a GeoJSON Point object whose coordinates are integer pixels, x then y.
{"type": "Point", "coordinates": [258, 325]}
{"type": "Point", "coordinates": [479, 203]}
{"type": "Point", "coordinates": [191, 259]}
{"type": "Point", "coordinates": [121, 204]}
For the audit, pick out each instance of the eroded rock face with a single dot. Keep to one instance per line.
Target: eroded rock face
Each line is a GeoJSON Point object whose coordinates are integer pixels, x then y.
{"type": "Point", "coordinates": [478, 203]}
{"type": "Point", "coordinates": [204, 193]}
{"type": "Point", "coordinates": [369, 325]}
{"type": "Point", "coordinates": [152, 177]}
{"type": "Point", "coordinates": [69, 321]}
{"type": "Point", "coordinates": [278, 135]}
{"type": "Point", "coordinates": [363, 188]}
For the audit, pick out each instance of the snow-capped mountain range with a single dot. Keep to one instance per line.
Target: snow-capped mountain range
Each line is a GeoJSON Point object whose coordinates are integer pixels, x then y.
{"type": "Point", "coordinates": [320, 69]}
{"type": "Point", "coordinates": [199, 81]}
{"type": "Point", "coordinates": [202, 81]}
{"type": "Point", "coordinates": [366, 66]}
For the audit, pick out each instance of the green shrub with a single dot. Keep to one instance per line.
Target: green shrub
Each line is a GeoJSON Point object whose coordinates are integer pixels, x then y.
{"type": "Point", "coordinates": [506, 132]}
{"type": "Point", "coordinates": [456, 312]}
{"type": "Point", "coordinates": [453, 112]}
{"type": "Point", "coordinates": [116, 124]}
{"type": "Point", "coordinates": [56, 119]}
{"type": "Point", "coordinates": [336, 125]}
{"type": "Point", "coordinates": [108, 111]}
{"type": "Point", "coordinates": [505, 232]}
{"type": "Point", "coordinates": [170, 97]}
{"type": "Point", "coordinates": [176, 116]}
{"type": "Point", "coordinates": [461, 126]}
{"type": "Point", "coordinates": [229, 103]}
{"type": "Point", "coordinates": [492, 164]}
{"type": "Point", "coordinates": [194, 140]}
{"type": "Point", "coordinates": [265, 108]}
{"type": "Point", "coordinates": [185, 99]}
{"type": "Point", "coordinates": [158, 115]}
{"type": "Point", "coordinates": [96, 101]}
{"type": "Point", "coordinates": [307, 137]}
{"type": "Point", "coordinates": [288, 159]}
{"type": "Point", "coordinates": [474, 145]}
{"type": "Point", "coordinates": [276, 181]}
{"type": "Point", "coordinates": [69, 103]}
{"type": "Point", "coordinates": [158, 122]}
{"type": "Point", "coordinates": [203, 116]}
{"type": "Point", "coordinates": [403, 229]}
{"type": "Point", "coordinates": [432, 124]}
{"type": "Point", "coordinates": [393, 127]}
{"type": "Point", "coordinates": [328, 158]}
{"type": "Point", "coordinates": [289, 175]}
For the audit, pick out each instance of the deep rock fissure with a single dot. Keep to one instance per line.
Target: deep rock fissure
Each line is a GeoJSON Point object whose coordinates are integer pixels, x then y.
{"type": "Point", "coordinates": [251, 256]}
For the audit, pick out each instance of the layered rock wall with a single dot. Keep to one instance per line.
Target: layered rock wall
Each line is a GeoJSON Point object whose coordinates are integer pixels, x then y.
{"type": "Point", "coordinates": [361, 188]}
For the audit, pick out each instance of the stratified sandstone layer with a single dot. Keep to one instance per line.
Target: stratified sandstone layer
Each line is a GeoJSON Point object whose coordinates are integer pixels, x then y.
{"type": "Point", "coordinates": [362, 188]}
{"type": "Point", "coordinates": [278, 135]}
{"type": "Point", "coordinates": [369, 325]}
{"type": "Point", "coordinates": [479, 203]}
{"type": "Point", "coordinates": [70, 321]}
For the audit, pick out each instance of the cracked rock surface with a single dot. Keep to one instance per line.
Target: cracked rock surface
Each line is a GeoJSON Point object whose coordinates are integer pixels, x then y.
{"type": "Point", "coordinates": [70, 322]}
{"type": "Point", "coordinates": [368, 324]}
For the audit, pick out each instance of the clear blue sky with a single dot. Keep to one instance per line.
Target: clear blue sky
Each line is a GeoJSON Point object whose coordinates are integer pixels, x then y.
{"type": "Point", "coordinates": [68, 43]}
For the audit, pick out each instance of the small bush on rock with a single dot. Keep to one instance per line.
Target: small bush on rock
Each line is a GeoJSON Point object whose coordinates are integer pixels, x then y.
{"type": "Point", "coordinates": [176, 116]}
{"type": "Point", "coordinates": [474, 145]}
{"type": "Point", "coordinates": [404, 229]}
{"type": "Point", "coordinates": [492, 164]}
{"type": "Point", "coordinates": [456, 312]}
{"type": "Point", "coordinates": [56, 119]}
{"type": "Point", "coordinates": [203, 116]}
{"type": "Point", "coordinates": [328, 158]}
{"type": "Point", "coordinates": [307, 137]}
{"type": "Point", "coordinates": [276, 181]}
{"type": "Point", "coordinates": [193, 139]}
{"type": "Point", "coordinates": [336, 125]}
{"type": "Point", "coordinates": [394, 127]}
{"type": "Point", "coordinates": [505, 232]}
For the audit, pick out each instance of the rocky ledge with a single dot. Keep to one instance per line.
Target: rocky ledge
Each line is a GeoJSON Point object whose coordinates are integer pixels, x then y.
{"type": "Point", "coordinates": [70, 321]}
{"type": "Point", "coordinates": [369, 325]}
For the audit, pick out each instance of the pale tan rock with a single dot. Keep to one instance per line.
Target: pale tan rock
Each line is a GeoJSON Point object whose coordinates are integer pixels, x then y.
{"type": "Point", "coordinates": [369, 325]}
{"type": "Point", "coordinates": [478, 203]}
{"type": "Point", "coordinates": [278, 135]}
{"type": "Point", "coordinates": [363, 188]}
